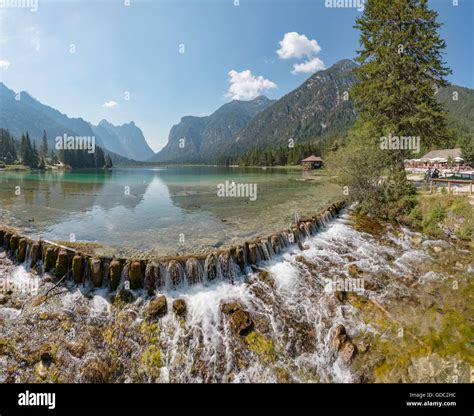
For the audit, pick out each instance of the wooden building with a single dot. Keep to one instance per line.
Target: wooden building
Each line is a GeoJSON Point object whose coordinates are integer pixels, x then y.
{"type": "Point", "coordinates": [312, 162]}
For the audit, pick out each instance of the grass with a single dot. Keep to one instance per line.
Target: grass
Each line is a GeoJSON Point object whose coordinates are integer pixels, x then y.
{"type": "Point", "coordinates": [433, 213]}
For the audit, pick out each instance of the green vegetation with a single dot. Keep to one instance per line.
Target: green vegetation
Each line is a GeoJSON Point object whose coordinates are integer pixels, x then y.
{"type": "Point", "coordinates": [434, 213]}
{"type": "Point", "coordinates": [400, 68]}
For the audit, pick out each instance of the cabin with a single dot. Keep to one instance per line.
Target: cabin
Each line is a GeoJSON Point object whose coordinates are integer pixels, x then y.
{"type": "Point", "coordinates": [312, 162]}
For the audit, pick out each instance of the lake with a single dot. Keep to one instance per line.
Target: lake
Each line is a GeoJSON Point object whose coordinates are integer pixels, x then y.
{"type": "Point", "coordinates": [160, 211]}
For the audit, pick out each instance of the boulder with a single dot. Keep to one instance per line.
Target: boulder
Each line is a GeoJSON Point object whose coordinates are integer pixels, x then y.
{"type": "Point", "coordinates": [348, 351]}
{"type": "Point", "coordinates": [157, 307]}
{"type": "Point", "coordinates": [340, 337]}
{"type": "Point", "coordinates": [179, 307]}
{"type": "Point", "coordinates": [240, 320]}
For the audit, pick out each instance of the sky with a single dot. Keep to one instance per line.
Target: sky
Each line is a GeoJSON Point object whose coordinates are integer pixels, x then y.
{"type": "Point", "coordinates": [156, 61]}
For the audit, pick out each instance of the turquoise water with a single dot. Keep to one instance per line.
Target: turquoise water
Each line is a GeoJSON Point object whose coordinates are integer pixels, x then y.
{"type": "Point", "coordinates": [159, 211]}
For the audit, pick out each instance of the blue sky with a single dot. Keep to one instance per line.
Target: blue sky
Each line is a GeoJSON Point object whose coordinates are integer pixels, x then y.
{"type": "Point", "coordinates": [229, 52]}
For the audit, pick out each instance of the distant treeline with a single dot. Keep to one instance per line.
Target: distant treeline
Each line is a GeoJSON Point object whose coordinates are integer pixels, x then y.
{"type": "Point", "coordinates": [26, 152]}
{"type": "Point", "coordinates": [285, 155]}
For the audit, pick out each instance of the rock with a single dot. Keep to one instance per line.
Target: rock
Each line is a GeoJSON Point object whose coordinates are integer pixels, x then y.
{"type": "Point", "coordinates": [95, 371]}
{"type": "Point", "coordinates": [115, 273]}
{"type": "Point", "coordinates": [34, 253]}
{"type": "Point", "coordinates": [240, 257]}
{"type": "Point", "coordinates": [124, 295]}
{"type": "Point", "coordinates": [49, 259]}
{"type": "Point", "coordinates": [78, 269]}
{"type": "Point", "coordinates": [179, 307]}
{"type": "Point", "coordinates": [353, 270]}
{"type": "Point", "coordinates": [175, 273]}
{"type": "Point", "coordinates": [348, 352]}
{"type": "Point", "coordinates": [416, 240]}
{"type": "Point", "coordinates": [135, 275]}
{"type": "Point", "coordinates": [240, 322]}
{"type": "Point", "coordinates": [193, 270]}
{"type": "Point", "coordinates": [437, 249]}
{"type": "Point", "coordinates": [2, 235]}
{"type": "Point", "coordinates": [96, 272]}
{"type": "Point", "coordinates": [6, 240]}
{"type": "Point", "coordinates": [150, 279]}
{"type": "Point", "coordinates": [21, 255]}
{"type": "Point", "coordinates": [252, 248]}
{"type": "Point", "coordinates": [14, 243]}
{"type": "Point", "coordinates": [339, 337]}
{"type": "Point", "coordinates": [62, 264]}
{"type": "Point", "coordinates": [210, 266]}
{"type": "Point", "coordinates": [275, 242]}
{"type": "Point", "coordinates": [157, 307]}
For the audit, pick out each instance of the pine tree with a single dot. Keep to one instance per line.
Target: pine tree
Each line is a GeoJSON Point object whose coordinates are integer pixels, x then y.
{"type": "Point", "coordinates": [44, 145]}
{"type": "Point", "coordinates": [401, 68]}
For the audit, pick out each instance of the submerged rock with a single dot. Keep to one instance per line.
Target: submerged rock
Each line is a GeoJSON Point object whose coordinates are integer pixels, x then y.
{"type": "Point", "coordinates": [240, 320]}
{"type": "Point", "coordinates": [124, 295]}
{"type": "Point", "coordinates": [157, 307]}
{"type": "Point", "coordinates": [179, 307]}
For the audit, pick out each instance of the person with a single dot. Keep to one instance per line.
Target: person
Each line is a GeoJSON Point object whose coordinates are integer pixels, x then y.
{"type": "Point", "coordinates": [428, 175]}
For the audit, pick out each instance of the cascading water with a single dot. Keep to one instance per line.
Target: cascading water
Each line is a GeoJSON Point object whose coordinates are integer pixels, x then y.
{"type": "Point", "coordinates": [274, 322]}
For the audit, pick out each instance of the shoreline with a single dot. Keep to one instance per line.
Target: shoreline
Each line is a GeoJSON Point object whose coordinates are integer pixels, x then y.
{"type": "Point", "coordinates": [112, 272]}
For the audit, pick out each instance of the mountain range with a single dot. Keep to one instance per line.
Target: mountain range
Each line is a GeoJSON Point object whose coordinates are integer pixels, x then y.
{"type": "Point", "coordinates": [318, 110]}
{"type": "Point", "coordinates": [21, 112]}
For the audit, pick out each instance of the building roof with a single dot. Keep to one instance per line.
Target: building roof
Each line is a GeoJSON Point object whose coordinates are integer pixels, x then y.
{"type": "Point", "coordinates": [443, 154]}
{"type": "Point", "coordinates": [312, 158]}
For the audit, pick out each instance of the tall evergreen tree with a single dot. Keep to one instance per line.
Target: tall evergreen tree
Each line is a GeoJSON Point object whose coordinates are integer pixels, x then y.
{"type": "Point", "coordinates": [401, 68]}
{"type": "Point", "coordinates": [44, 146]}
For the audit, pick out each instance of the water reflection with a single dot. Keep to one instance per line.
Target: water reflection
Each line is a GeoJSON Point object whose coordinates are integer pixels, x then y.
{"type": "Point", "coordinates": [160, 211]}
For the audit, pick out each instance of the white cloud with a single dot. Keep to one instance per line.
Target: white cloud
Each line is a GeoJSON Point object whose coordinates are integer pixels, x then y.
{"type": "Point", "coordinates": [4, 64]}
{"type": "Point", "coordinates": [295, 45]}
{"type": "Point", "coordinates": [245, 86]}
{"type": "Point", "coordinates": [109, 104]}
{"type": "Point", "coordinates": [309, 66]}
